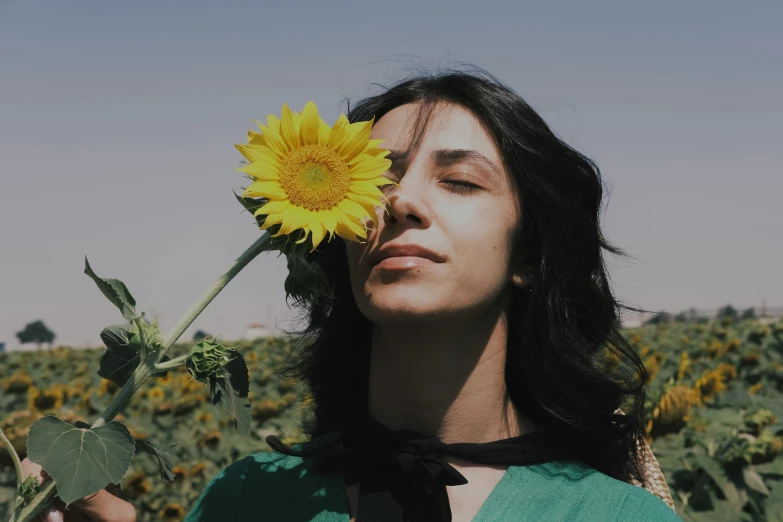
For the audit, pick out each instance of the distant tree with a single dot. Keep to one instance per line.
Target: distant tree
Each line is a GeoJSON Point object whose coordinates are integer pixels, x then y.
{"type": "Point", "coordinates": [199, 335]}
{"type": "Point", "coordinates": [750, 313]}
{"type": "Point", "coordinates": [36, 332]}
{"type": "Point", "coordinates": [728, 311]}
{"type": "Point", "coordinates": [659, 318]}
{"type": "Point", "coordinates": [688, 316]}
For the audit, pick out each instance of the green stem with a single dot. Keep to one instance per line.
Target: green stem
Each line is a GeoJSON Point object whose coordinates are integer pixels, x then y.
{"type": "Point", "coordinates": [17, 466]}
{"type": "Point", "coordinates": [142, 338]}
{"type": "Point", "coordinates": [207, 297]}
{"type": "Point", "coordinates": [173, 363]}
{"type": "Point", "coordinates": [46, 495]}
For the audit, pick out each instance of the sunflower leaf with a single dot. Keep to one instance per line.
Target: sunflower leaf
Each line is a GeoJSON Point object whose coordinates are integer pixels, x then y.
{"type": "Point", "coordinates": [229, 389]}
{"type": "Point", "coordinates": [81, 461]}
{"type": "Point", "coordinates": [306, 281]}
{"type": "Point", "coordinates": [121, 357]}
{"type": "Point", "coordinates": [251, 205]}
{"type": "Point", "coordinates": [123, 347]}
{"type": "Point", "coordinates": [165, 459]}
{"type": "Point", "coordinates": [116, 291]}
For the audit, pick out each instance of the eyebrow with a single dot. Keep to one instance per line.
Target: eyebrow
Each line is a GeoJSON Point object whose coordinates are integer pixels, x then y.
{"type": "Point", "coordinates": [446, 157]}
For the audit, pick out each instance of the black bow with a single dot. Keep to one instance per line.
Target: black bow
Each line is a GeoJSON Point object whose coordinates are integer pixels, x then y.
{"type": "Point", "coordinates": [403, 481]}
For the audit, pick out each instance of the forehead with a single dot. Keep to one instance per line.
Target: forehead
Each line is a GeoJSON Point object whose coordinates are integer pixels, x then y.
{"type": "Point", "coordinates": [450, 127]}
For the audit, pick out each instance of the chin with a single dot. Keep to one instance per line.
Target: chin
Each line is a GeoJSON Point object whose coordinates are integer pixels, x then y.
{"type": "Point", "coordinates": [401, 304]}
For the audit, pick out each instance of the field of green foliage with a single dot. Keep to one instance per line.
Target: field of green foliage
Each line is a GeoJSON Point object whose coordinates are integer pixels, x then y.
{"type": "Point", "coordinates": [715, 410]}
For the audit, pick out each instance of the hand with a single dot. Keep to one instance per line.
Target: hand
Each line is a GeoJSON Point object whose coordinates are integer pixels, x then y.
{"type": "Point", "coordinates": [101, 506]}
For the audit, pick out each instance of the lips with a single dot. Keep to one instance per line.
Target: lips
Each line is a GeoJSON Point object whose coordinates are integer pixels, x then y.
{"type": "Point", "coordinates": [407, 250]}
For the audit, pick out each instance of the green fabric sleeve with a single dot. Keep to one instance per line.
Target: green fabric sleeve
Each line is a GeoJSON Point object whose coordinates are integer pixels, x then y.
{"type": "Point", "coordinates": [640, 505]}
{"type": "Point", "coordinates": [222, 496]}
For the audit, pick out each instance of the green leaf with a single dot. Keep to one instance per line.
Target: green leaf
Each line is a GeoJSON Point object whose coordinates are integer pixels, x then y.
{"type": "Point", "coordinates": [81, 461]}
{"type": "Point", "coordinates": [115, 291]}
{"type": "Point", "coordinates": [715, 470]}
{"type": "Point", "coordinates": [123, 349]}
{"type": "Point", "coordinates": [121, 357]}
{"type": "Point", "coordinates": [774, 507]}
{"type": "Point", "coordinates": [165, 459]}
{"type": "Point", "coordinates": [228, 390]}
{"type": "Point", "coordinates": [27, 491]}
{"type": "Point", "coordinates": [773, 405]}
{"type": "Point", "coordinates": [251, 205]}
{"type": "Point", "coordinates": [754, 481]}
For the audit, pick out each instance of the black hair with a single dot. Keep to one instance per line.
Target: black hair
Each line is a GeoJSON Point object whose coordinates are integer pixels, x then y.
{"type": "Point", "coordinates": [562, 329]}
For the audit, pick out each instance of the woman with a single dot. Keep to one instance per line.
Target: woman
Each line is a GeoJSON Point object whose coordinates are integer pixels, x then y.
{"type": "Point", "coordinates": [477, 312]}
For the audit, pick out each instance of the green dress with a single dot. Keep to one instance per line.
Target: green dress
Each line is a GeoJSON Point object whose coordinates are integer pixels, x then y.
{"type": "Point", "coordinates": [272, 487]}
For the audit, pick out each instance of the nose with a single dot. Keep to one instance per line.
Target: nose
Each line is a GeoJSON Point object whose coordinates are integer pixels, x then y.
{"type": "Point", "coordinates": [406, 205]}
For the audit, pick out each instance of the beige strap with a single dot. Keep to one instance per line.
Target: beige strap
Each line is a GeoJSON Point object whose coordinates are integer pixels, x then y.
{"type": "Point", "coordinates": [655, 482]}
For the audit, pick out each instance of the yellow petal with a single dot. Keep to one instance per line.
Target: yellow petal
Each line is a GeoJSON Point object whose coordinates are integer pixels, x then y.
{"type": "Point", "coordinates": [273, 123]}
{"type": "Point", "coordinates": [357, 140]}
{"type": "Point", "coordinates": [293, 219]}
{"type": "Point", "coordinates": [273, 207]}
{"type": "Point", "coordinates": [346, 228]}
{"type": "Point", "coordinates": [306, 230]}
{"type": "Point", "coordinates": [351, 208]}
{"type": "Point", "coordinates": [297, 117]}
{"type": "Point", "coordinates": [372, 145]}
{"type": "Point", "coordinates": [323, 133]}
{"type": "Point", "coordinates": [369, 168]}
{"type": "Point", "coordinates": [272, 219]}
{"type": "Point", "coordinates": [338, 133]}
{"type": "Point", "coordinates": [370, 201]}
{"type": "Point", "coordinates": [265, 189]}
{"type": "Point", "coordinates": [255, 138]}
{"type": "Point", "coordinates": [368, 204]}
{"type": "Point", "coordinates": [287, 130]}
{"type": "Point", "coordinates": [255, 153]}
{"type": "Point", "coordinates": [317, 229]}
{"type": "Point", "coordinates": [381, 181]}
{"type": "Point", "coordinates": [311, 124]}
{"type": "Point", "coordinates": [364, 188]}
{"type": "Point", "coordinates": [262, 171]}
{"type": "Point", "coordinates": [328, 220]}
{"type": "Point", "coordinates": [271, 138]}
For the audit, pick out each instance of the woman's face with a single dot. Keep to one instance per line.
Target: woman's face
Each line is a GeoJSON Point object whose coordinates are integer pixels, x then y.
{"type": "Point", "coordinates": [470, 228]}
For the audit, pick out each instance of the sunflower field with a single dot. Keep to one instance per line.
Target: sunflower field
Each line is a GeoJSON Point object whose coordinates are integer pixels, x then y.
{"type": "Point", "coordinates": [714, 408]}
{"type": "Point", "coordinates": [172, 411]}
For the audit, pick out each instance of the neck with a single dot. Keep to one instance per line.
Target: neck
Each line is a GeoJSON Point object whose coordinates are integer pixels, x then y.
{"type": "Point", "coordinates": [444, 379]}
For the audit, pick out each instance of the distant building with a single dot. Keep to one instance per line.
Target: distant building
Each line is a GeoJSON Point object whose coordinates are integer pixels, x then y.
{"type": "Point", "coordinates": [256, 330]}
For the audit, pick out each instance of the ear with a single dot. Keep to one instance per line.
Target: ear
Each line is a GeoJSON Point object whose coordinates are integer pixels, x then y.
{"type": "Point", "coordinates": [521, 276]}
{"type": "Point", "coordinates": [519, 279]}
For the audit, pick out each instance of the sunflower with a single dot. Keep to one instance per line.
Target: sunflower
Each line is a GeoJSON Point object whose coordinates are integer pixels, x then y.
{"type": "Point", "coordinates": [315, 178]}
{"type": "Point", "coordinates": [156, 393]}
{"type": "Point", "coordinates": [180, 473]}
{"type": "Point", "coordinates": [107, 386]}
{"type": "Point", "coordinates": [44, 400]}
{"type": "Point", "coordinates": [198, 469]}
{"type": "Point", "coordinates": [18, 383]}
{"type": "Point", "coordinates": [171, 512]}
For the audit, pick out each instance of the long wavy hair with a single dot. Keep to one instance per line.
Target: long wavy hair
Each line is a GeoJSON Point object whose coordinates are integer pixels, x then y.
{"type": "Point", "coordinates": [567, 363]}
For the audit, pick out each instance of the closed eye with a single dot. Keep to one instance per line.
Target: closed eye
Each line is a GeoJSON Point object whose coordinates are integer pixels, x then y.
{"type": "Point", "coordinates": [463, 187]}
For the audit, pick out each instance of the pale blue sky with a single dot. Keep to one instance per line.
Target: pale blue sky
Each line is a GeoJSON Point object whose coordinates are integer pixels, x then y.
{"type": "Point", "coordinates": [118, 119]}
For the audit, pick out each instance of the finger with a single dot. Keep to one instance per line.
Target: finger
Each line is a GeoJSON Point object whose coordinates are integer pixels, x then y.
{"type": "Point", "coordinates": [52, 514]}
{"type": "Point", "coordinates": [106, 507]}
{"type": "Point", "coordinates": [31, 468]}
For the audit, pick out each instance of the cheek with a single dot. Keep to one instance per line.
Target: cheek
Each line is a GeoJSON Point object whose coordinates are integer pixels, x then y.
{"type": "Point", "coordinates": [481, 260]}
